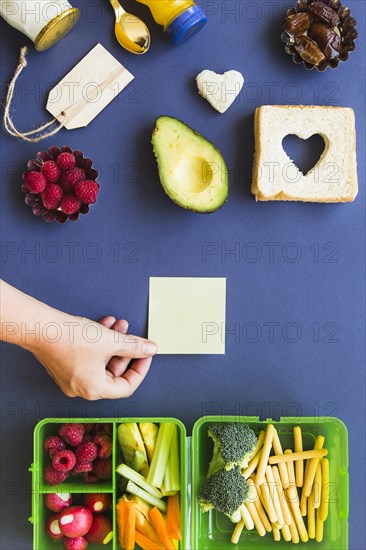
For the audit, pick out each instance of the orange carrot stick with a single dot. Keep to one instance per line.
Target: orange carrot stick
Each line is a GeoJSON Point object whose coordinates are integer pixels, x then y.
{"type": "Point", "coordinates": [160, 527]}
{"type": "Point", "coordinates": [126, 524]}
{"type": "Point", "coordinates": [173, 518]}
{"type": "Point", "coordinates": [147, 544]}
{"type": "Point", "coordinates": [145, 528]}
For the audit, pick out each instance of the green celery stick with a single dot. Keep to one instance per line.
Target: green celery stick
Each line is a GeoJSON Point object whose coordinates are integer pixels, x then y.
{"type": "Point", "coordinates": [147, 497]}
{"type": "Point", "coordinates": [161, 454]}
{"type": "Point", "coordinates": [171, 483]}
{"type": "Point", "coordinates": [138, 479]}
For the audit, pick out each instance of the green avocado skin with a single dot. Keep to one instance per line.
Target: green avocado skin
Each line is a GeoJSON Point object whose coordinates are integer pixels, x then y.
{"type": "Point", "coordinates": [185, 131]}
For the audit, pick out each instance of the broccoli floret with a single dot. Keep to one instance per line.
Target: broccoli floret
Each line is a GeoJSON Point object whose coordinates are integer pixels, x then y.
{"type": "Point", "coordinates": [225, 491]}
{"type": "Point", "coordinates": [234, 444]}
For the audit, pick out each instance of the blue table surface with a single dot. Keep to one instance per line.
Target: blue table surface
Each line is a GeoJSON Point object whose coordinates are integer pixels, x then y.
{"type": "Point", "coordinates": [296, 279]}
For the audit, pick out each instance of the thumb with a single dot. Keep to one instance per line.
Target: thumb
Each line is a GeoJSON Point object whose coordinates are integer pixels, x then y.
{"type": "Point", "coordinates": [134, 347]}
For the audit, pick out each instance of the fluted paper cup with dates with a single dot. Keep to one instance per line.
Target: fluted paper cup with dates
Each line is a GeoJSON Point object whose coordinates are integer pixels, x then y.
{"type": "Point", "coordinates": [319, 34]}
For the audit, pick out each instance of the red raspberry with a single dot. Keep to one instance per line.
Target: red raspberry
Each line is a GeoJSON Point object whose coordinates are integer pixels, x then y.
{"type": "Point", "coordinates": [87, 191]}
{"type": "Point", "coordinates": [103, 468]}
{"type": "Point", "coordinates": [53, 477]}
{"type": "Point", "coordinates": [36, 182]}
{"type": "Point", "coordinates": [72, 434]}
{"type": "Point", "coordinates": [52, 196]}
{"type": "Point", "coordinates": [64, 461]}
{"type": "Point", "coordinates": [104, 429]}
{"type": "Point", "coordinates": [104, 445]}
{"type": "Point", "coordinates": [71, 177]}
{"type": "Point", "coordinates": [86, 452]}
{"type": "Point", "coordinates": [70, 204]}
{"type": "Point", "coordinates": [89, 427]}
{"type": "Point", "coordinates": [53, 444]}
{"type": "Point", "coordinates": [51, 171]}
{"type": "Point", "coordinates": [66, 160]}
{"type": "Point", "coordinates": [83, 467]}
{"type": "Point", "coordinates": [76, 543]}
{"type": "Point", "coordinates": [90, 477]}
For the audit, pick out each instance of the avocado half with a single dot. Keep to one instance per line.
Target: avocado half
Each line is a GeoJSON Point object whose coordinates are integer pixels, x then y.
{"type": "Point", "coordinates": [192, 170]}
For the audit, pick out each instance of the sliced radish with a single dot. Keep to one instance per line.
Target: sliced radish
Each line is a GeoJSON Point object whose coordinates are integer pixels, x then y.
{"type": "Point", "coordinates": [53, 528]}
{"type": "Point", "coordinates": [78, 543]}
{"type": "Point", "coordinates": [101, 530]}
{"type": "Point", "coordinates": [97, 502]}
{"type": "Point", "coordinates": [57, 501]}
{"type": "Point", "coordinates": [75, 521]}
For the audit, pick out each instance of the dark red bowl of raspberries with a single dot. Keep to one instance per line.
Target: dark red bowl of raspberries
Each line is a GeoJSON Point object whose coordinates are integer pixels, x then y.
{"type": "Point", "coordinates": [60, 184]}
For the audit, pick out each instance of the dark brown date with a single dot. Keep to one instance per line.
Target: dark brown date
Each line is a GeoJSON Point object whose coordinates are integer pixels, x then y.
{"type": "Point", "coordinates": [322, 12]}
{"type": "Point", "coordinates": [298, 23]}
{"type": "Point", "coordinates": [308, 50]}
{"type": "Point", "coordinates": [327, 39]}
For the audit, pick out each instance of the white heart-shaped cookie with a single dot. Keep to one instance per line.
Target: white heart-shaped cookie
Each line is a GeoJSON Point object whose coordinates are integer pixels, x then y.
{"type": "Point", "coordinates": [220, 90]}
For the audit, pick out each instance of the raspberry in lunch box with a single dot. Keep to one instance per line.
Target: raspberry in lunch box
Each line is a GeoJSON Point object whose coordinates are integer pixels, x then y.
{"type": "Point", "coordinates": [54, 477]}
{"type": "Point", "coordinates": [104, 445]}
{"type": "Point", "coordinates": [53, 444]}
{"type": "Point", "coordinates": [86, 451]}
{"type": "Point", "coordinates": [103, 468]}
{"type": "Point", "coordinates": [72, 434]}
{"type": "Point", "coordinates": [52, 184]}
{"type": "Point", "coordinates": [83, 467]}
{"type": "Point", "coordinates": [64, 461]}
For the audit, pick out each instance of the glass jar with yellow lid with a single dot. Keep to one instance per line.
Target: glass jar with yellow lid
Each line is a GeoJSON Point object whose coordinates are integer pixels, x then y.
{"type": "Point", "coordinates": [181, 19]}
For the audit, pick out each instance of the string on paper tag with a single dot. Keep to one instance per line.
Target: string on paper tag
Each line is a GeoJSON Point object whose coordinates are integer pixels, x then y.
{"type": "Point", "coordinates": [78, 98]}
{"type": "Point", "coordinates": [42, 132]}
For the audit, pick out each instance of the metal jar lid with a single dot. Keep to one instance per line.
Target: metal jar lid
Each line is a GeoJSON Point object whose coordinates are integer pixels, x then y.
{"type": "Point", "coordinates": [56, 29]}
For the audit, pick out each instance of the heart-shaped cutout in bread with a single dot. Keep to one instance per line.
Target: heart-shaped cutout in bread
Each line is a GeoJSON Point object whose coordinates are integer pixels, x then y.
{"type": "Point", "coordinates": [220, 90]}
{"type": "Point", "coordinates": [304, 153]}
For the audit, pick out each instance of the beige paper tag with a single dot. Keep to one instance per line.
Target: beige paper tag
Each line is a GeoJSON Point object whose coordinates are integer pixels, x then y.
{"type": "Point", "coordinates": [84, 92]}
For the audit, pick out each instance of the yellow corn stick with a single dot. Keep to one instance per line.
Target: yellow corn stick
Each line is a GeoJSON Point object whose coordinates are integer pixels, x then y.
{"type": "Point", "coordinates": [319, 528]}
{"type": "Point", "coordinates": [258, 488]}
{"type": "Point", "coordinates": [324, 505]}
{"type": "Point", "coordinates": [274, 496]}
{"type": "Point", "coordinates": [246, 517]}
{"type": "Point", "coordinates": [294, 533]}
{"type": "Point", "coordinates": [293, 529]}
{"type": "Point", "coordinates": [252, 465]}
{"type": "Point", "coordinates": [312, 466]}
{"type": "Point", "coordinates": [303, 504]}
{"type": "Point", "coordinates": [255, 456]}
{"type": "Point", "coordinates": [268, 503]}
{"type": "Point", "coordinates": [277, 447]}
{"type": "Point", "coordinates": [276, 533]}
{"type": "Point", "coordinates": [299, 466]}
{"type": "Point", "coordinates": [259, 444]}
{"type": "Point", "coordinates": [286, 533]}
{"type": "Point", "coordinates": [291, 469]}
{"type": "Point", "coordinates": [314, 453]}
{"type": "Point", "coordinates": [237, 532]}
{"type": "Point", "coordinates": [266, 449]}
{"type": "Point", "coordinates": [294, 502]}
{"type": "Point", "coordinates": [311, 516]}
{"type": "Point", "coordinates": [256, 519]}
{"type": "Point", "coordinates": [317, 487]}
{"type": "Point", "coordinates": [258, 504]}
{"type": "Point", "coordinates": [281, 496]}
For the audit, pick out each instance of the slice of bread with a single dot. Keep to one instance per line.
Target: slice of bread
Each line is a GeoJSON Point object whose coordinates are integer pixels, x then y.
{"type": "Point", "coordinates": [276, 177]}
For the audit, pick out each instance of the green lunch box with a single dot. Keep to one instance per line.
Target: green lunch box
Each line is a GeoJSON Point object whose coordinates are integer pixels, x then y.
{"type": "Point", "coordinates": [212, 530]}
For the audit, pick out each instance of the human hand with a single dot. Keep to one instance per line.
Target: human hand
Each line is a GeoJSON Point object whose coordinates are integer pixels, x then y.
{"type": "Point", "coordinates": [97, 369]}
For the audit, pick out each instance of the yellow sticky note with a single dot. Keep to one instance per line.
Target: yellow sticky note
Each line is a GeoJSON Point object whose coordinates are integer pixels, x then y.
{"type": "Point", "coordinates": [187, 315]}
